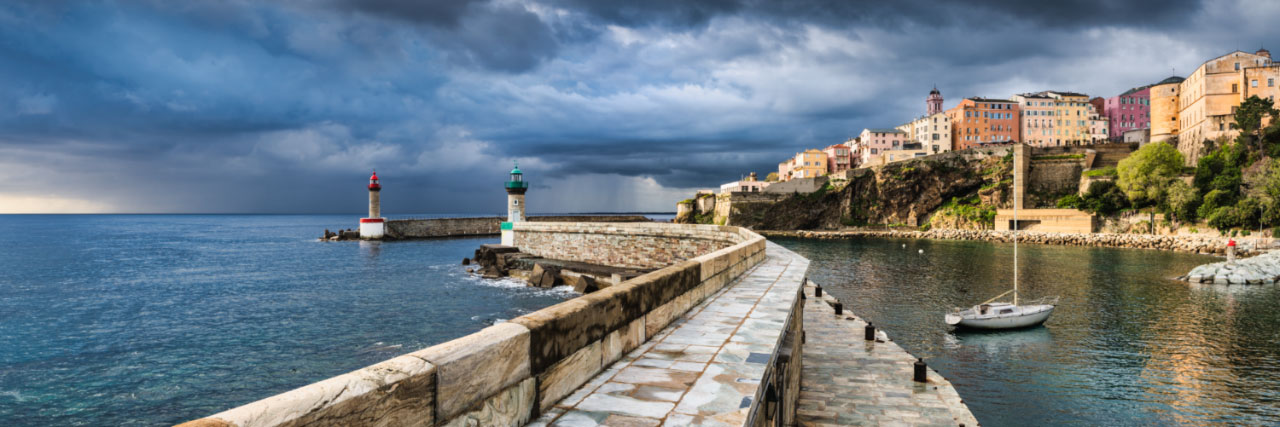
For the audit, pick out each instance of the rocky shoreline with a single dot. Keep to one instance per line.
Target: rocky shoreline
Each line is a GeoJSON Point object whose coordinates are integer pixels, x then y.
{"type": "Point", "coordinates": [1193, 244]}
{"type": "Point", "coordinates": [1261, 269]}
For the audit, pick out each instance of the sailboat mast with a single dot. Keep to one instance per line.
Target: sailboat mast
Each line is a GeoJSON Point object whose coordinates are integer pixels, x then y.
{"type": "Point", "coordinates": [1017, 200]}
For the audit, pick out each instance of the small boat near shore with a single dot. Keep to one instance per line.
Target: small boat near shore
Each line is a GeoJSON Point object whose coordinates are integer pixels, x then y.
{"type": "Point", "coordinates": [1002, 315]}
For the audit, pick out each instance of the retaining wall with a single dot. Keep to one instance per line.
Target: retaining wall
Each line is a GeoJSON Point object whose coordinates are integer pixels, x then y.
{"type": "Point", "coordinates": [650, 245]}
{"type": "Point", "coordinates": [483, 226]}
{"type": "Point", "coordinates": [509, 373]}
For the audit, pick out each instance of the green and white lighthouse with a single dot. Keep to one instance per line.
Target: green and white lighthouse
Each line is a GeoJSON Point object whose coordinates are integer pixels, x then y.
{"type": "Point", "coordinates": [516, 188]}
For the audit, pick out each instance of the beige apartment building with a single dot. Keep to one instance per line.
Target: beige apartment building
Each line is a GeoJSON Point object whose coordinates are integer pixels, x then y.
{"type": "Point", "coordinates": [1038, 111]}
{"type": "Point", "coordinates": [1206, 100]}
{"type": "Point", "coordinates": [932, 132]}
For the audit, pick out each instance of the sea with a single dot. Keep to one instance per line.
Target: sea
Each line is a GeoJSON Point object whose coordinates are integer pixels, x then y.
{"type": "Point", "coordinates": [130, 320]}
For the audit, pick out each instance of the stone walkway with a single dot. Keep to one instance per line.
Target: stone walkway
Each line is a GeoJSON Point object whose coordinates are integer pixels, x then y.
{"type": "Point", "coordinates": [847, 380]}
{"type": "Point", "coordinates": [705, 367]}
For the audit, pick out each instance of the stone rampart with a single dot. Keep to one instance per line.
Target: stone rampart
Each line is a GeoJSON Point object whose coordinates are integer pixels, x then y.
{"type": "Point", "coordinates": [482, 226]}
{"type": "Point", "coordinates": [509, 373]}
{"type": "Point", "coordinates": [1057, 176]}
{"type": "Point", "coordinates": [651, 245]}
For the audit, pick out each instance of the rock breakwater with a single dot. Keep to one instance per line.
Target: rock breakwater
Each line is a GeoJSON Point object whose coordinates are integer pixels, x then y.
{"type": "Point", "coordinates": [1193, 244]}
{"type": "Point", "coordinates": [1261, 269]}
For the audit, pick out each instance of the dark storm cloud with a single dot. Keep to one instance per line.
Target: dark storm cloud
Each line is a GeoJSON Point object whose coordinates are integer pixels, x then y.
{"type": "Point", "coordinates": [1065, 13]}
{"type": "Point", "coordinates": [434, 12]}
{"type": "Point", "coordinates": [241, 106]}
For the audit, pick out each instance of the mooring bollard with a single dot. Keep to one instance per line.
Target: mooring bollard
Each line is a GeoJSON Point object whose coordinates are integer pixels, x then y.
{"type": "Point", "coordinates": [1231, 250]}
{"type": "Point", "coordinates": [839, 309]}
{"type": "Point", "coordinates": [817, 291]}
{"type": "Point", "coordinates": [921, 371]}
{"type": "Point", "coordinates": [869, 332]}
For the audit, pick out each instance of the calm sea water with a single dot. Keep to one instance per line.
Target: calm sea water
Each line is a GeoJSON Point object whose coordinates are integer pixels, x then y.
{"type": "Point", "coordinates": [1126, 345]}
{"type": "Point", "coordinates": [157, 319]}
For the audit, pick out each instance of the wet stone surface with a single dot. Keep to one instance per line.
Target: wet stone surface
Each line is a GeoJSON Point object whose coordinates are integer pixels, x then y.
{"type": "Point", "coordinates": [847, 380]}
{"type": "Point", "coordinates": [700, 370]}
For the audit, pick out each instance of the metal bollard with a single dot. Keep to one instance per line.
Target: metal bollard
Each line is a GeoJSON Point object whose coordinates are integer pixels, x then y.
{"type": "Point", "coordinates": [817, 291]}
{"type": "Point", "coordinates": [869, 332]}
{"type": "Point", "coordinates": [921, 371]}
{"type": "Point", "coordinates": [839, 309]}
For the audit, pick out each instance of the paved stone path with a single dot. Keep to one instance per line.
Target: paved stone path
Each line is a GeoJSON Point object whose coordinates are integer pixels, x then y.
{"type": "Point", "coordinates": [847, 380]}
{"type": "Point", "coordinates": [705, 367]}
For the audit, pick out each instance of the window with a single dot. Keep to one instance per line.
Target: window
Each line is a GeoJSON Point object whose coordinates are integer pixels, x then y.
{"type": "Point", "coordinates": [1235, 88]}
{"type": "Point", "coordinates": [1253, 83]}
{"type": "Point", "coordinates": [1271, 82]}
{"type": "Point", "coordinates": [1237, 66]}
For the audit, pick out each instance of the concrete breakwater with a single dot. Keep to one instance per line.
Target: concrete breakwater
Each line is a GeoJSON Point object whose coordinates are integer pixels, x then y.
{"type": "Point", "coordinates": [1193, 244]}
{"type": "Point", "coordinates": [1261, 269]}
{"type": "Point", "coordinates": [428, 228]}
{"type": "Point", "coordinates": [517, 371]}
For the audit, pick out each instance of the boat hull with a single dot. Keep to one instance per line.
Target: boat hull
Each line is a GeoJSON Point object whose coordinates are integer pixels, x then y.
{"type": "Point", "coordinates": [1020, 320]}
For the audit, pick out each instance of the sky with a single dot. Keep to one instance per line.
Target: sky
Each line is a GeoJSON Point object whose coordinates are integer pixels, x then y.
{"type": "Point", "coordinates": [233, 106]}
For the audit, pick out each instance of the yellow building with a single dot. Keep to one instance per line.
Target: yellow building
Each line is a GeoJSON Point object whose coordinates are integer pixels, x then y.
{"type": "Point", "coordinates": [1207, 98]}
{"type": "Point", "coordinates": [1164, 109]}
{"type": "Point", "coordinates": [811, 163]}
{"type": "Point", "coordinates": [1072, 115]}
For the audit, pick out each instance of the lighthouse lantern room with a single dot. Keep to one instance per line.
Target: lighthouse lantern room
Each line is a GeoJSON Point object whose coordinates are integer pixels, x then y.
{"type": "Point", "coordinates": [373, 227]}
{"type": "Point", "coordinates": [516, 188]}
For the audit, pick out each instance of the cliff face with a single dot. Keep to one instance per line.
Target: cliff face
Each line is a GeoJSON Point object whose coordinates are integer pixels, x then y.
{"type": "Point", "coordinates": [905, 193]}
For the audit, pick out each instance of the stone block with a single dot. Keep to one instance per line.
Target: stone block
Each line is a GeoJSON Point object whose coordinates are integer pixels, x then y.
{"type": "Point", "coordinates": [659, 318]}
{"type": "Point", "coordinates": [622, 341]}
{"type": "Point", "coordinates": [581, 283]}
{"type": "Point", "coordinates": [568, 374]}
{"type": "Point", "coordinates": [510, 407]}
{"type": "Point", "coordinates": [544, 277]}
{"type": "Point", "coordinates": [475, 367]}
{"type": "Point", "coordinates": [562, 329]}
{"type": "Point", "coordinates": [400, 391]}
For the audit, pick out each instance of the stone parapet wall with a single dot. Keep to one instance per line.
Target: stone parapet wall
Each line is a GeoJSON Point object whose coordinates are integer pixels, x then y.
{"type": "Point", "coordinates": [651, 245]}
{"type": "Point", "coordinates": [1193, 244]}
{"type": "Point", "coordinates": [481, 226]}
{"type": "Point", "coordinates": [509, 373]}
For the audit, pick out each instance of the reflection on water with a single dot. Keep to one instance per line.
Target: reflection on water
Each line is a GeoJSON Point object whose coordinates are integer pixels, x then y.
{"type": "Point", "coordinates": [1126, 345]}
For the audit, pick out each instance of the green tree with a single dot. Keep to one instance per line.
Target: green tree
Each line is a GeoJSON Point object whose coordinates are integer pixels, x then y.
{"type": "Point", "coordinates": [771, 177]}
{"type": "Point", "coordinates": [1145, 175]}
{"type": "Point", "coordinates": [1220, 169]}
{"type": "Point", "coordinates": [1248, 119]}
{"type": "Point", "coordinates": [1183, 200]}
{"type": "Point", "coordinates": [1105, 198]}
{"type": "Point", "coordinates": [1215, 200]}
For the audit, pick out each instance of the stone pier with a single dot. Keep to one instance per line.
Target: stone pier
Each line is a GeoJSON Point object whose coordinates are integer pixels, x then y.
{"type": "Point", "coordinates": [706, 367]}
{"type": "Point", "coordinates": [848, 380]}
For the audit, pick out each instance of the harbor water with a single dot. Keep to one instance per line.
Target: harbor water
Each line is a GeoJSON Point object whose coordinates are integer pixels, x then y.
{"type": "Point", "coordinates": [158, 319]}
{"type": "Point", "coordinates": [1127, 345]}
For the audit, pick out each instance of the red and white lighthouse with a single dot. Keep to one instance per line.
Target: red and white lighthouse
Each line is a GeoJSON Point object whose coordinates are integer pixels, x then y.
{"type": "Point", "coordinates": [374, 226]}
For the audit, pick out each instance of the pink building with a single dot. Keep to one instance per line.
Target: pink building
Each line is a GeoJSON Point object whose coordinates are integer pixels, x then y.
{"type": "Point", "coordinates": [873, 142]}
{"type": "Point", "coordinates": [1128, 111]}
{"type": "Point", "coordinates": [839, 158]}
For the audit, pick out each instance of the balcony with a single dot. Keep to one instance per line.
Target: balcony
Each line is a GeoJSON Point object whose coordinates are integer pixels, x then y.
{"type": "Point", "coordinates": [512, 185]}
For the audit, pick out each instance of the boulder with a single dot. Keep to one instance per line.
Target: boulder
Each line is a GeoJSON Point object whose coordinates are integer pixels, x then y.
{"type": "Point", "coordinates": [582, 283]}
{"type": "Point", "coordinates": [466, 261]}
{"type": "Point", "coordinates": [544, 277]}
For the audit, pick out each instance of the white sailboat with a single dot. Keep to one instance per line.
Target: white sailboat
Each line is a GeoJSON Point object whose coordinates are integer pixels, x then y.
{"type": "Point", "coordinates": [1003, 315]}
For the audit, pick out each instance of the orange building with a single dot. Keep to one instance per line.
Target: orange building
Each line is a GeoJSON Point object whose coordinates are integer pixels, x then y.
{"type": "Point", "coordinates": [981, 121]}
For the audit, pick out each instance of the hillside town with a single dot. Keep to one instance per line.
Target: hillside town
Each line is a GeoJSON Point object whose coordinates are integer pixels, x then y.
{"type": "Point", "coordinates": [1182, 111]}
